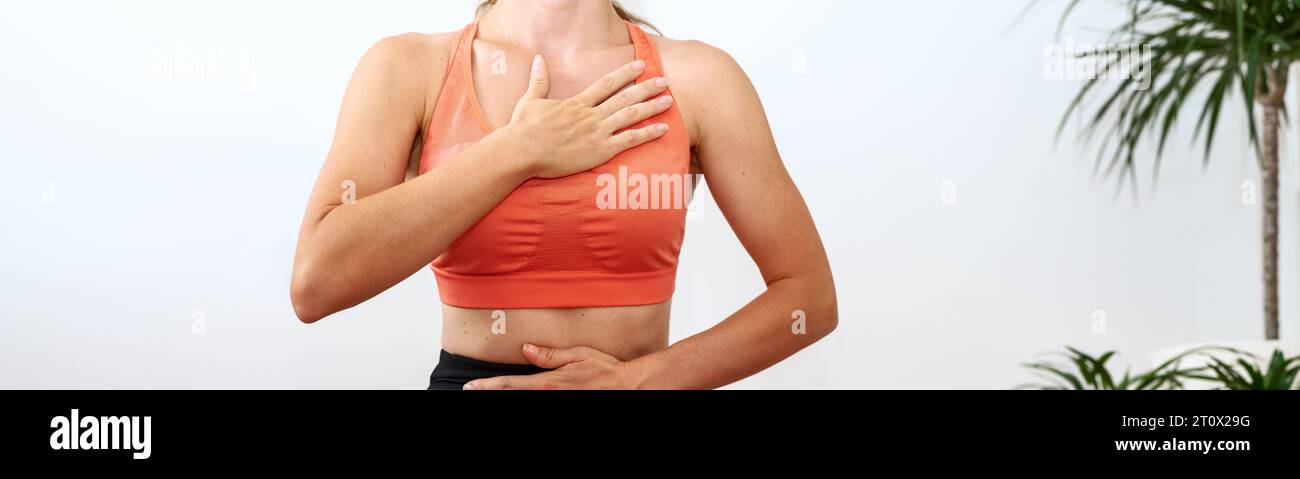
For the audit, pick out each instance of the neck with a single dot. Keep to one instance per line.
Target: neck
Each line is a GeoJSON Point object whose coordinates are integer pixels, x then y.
{"type": "Point", "coordinates": [555, 28]}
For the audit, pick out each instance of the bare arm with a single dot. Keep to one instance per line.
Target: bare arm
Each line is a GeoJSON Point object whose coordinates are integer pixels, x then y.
{"type": "Point", "coordinates": [350, 251]}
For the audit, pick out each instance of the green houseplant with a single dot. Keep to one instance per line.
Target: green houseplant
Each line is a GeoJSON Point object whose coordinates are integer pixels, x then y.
{"type": "Point", "coordinates": [1203, 54]}
{"type": "Point", "coordinates": [1223, 368]}
{"type": "Point", "coordinates": [1081, 371]}
{"type": "Point", "coordinates": [1248, 372]}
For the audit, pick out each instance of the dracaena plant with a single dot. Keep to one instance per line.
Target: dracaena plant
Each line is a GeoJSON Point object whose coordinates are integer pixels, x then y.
{"type": "Point", "coordinates": [1196, 57]}
{"type": "Point", "coordinates": [1223, 368]}
{"type": "Point", "coordinates": [1246, 372]}
{"type": "Point", "coordinates": [1081, 371]}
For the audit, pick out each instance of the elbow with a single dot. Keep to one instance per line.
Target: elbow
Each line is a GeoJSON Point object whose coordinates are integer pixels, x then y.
{"type": "Point", "coordinates": [819, 314]}
{"type": "Point", "coordinates": [305, 304]}
{"type": "Point", "coordinates": [305, 313]}
{"type": "Point", "coordinates": [306, 292]}
{"type": "Point", "coordinates": [827, 306]}
{"type": "Point", "coordinates": [830, 319]}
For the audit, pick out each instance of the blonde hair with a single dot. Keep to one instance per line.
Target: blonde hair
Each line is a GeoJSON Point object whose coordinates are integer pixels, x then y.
{"type": "Point", "coordinates": [622, 13]}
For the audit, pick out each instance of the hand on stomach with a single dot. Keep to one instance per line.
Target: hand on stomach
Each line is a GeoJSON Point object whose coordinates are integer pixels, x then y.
{"type": "Point", "coordinates": [625, 332]}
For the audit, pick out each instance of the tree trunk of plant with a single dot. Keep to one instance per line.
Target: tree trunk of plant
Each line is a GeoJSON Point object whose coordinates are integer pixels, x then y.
{"type": "Point", "coordinates": [1269, 167]}
{"type": "Point", "coordinates": [1272, 104]}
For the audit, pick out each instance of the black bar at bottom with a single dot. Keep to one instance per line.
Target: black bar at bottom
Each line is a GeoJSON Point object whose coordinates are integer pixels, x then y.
{"type": "Point", "coordinates": [303, 429]}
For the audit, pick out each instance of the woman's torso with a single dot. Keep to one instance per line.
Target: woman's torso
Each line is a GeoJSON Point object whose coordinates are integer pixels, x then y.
{"type": "Point", "coordinates": [500, 76]}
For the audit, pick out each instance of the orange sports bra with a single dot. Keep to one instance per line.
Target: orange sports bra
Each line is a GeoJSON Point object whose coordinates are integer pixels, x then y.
{"type": "Point", "coordinates": [609, 236]}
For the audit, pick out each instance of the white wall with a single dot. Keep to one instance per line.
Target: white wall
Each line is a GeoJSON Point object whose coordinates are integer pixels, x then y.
{"type": "Point", "coordinates": [148, 202]}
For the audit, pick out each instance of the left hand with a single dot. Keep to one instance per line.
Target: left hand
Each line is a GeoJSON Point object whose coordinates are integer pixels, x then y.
{"type": "Point", "coordinates": [573, 368]}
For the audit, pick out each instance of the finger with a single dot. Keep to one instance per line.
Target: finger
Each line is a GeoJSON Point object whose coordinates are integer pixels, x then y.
{"type": "Point", "coordinates": [637, 113]}
{"type": "Point", "coordinates": [552, 358]}
{"type": "Point", "coordinates": [503, 383]}
{"type": "Point", "coordinates": [495, 384]}
{"type": "Point", "coordinates": [539, 80]}
{"type": "Point", "coordinates": [632, 95]}
{"type": "Point", "coordinates": [611, 83]}
{"type": "Point", "coordinates": [633, 138]}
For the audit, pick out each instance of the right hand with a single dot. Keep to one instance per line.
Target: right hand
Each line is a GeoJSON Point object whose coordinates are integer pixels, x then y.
{"type": "Point", "coordinates": [564, 137]}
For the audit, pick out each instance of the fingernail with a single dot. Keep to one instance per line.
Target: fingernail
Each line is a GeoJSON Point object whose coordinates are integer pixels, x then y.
{"type": "Point", "coordinates": [470, 386]}
{"type": "Point", "coordinates": [537, 63]}
{"type": "Point", "coordinates": [530, 349]}
{"type": "Point", "coordinates": [666, 100]}
{"type": "Point", "coordinates": [661, 82]}
{"type": "Point", "coordinates": [638, 65]}
{"type": "Point", "coordinates": [662, 127]}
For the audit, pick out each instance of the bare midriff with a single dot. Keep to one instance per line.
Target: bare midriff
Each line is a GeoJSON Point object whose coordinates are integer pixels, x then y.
{"type": "Point", "coordinates": [625, 332]}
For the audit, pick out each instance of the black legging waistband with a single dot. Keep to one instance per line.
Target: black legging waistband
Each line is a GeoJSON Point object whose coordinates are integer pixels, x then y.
{"type": "Point", "coordinates": [452, 371]}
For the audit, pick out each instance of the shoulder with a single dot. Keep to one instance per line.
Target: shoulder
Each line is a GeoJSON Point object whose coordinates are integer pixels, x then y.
{"type": "Point", "coordinates": [415, 45]}
{"type": "Point", "coordinates": [711, 85]}
{"type": "Point", "coordinates": [409, 53]}
{"type": "Point", "coordinates": [406, 69]}
{"type": "Point", "coordinates": [693, 60]}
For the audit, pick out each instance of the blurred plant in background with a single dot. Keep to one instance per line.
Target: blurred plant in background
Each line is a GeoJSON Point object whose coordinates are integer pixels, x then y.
{"type": "Point", "coordinates": [1224, 368]}
{"type": "Point", "coordinates": [1279, 373]}
{"type": "Point", "coordinates": [1195, 55]}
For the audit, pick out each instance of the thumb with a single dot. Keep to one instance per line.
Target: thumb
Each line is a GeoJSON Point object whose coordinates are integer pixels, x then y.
{"type": "Point", "coordinates": [539, 81]}
{"type": "Point", "coordinates": [551, 358]}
